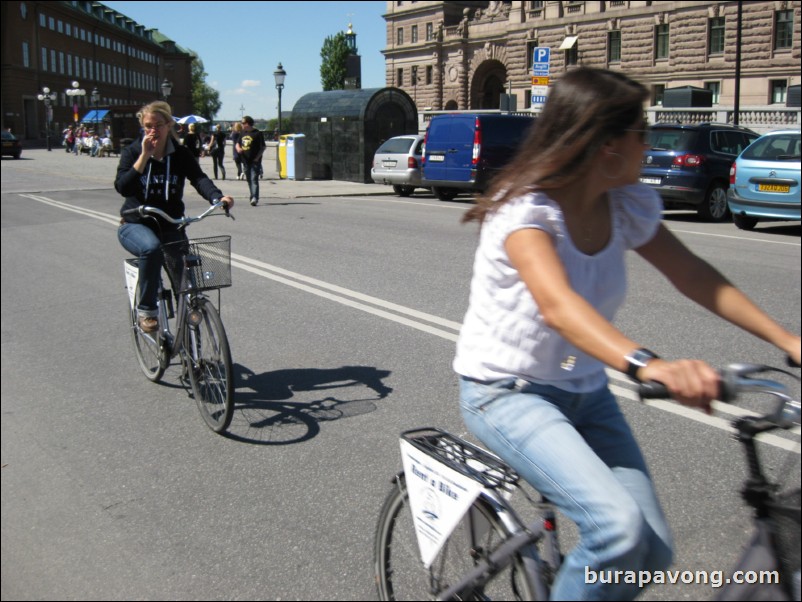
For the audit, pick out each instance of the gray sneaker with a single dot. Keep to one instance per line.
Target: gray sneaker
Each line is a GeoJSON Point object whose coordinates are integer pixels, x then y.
{"type": "Point", "coordinates": [254, 202]}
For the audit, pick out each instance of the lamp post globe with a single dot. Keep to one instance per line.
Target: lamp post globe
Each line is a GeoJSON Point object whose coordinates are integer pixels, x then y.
{"type": "Point", "coordinates": [47, 97]}
{"type": "Point", "coordinates": [167, 88]}
{"type": "Point", "coordinates": [279, 74]}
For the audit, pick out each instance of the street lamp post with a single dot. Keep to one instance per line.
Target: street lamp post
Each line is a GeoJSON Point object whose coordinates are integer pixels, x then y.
{"type": "Point", "coordinates": [95, 99]}
{"type": "Point", "coordinates": [75, 92]}
{"type": "Point", "coordinates": [48, 98]}
{"type": "Point", "coordinates": [279, 74]}
{"type": "Point", "coordinates": [167, 89]}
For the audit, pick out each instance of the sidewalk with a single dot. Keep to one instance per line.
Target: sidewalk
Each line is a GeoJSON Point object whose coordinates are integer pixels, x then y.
{"type": "Point", "coordinates": [103, 169]}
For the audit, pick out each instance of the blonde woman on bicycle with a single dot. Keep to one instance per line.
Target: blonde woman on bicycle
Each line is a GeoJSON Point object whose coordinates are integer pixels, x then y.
{"type": "Point", "coordinates": [549, 275]}
{"type": "Point", "coordinates": [152, 171]}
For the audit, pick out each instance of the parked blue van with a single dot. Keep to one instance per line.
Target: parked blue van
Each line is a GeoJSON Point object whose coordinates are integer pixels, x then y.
{"type": "Point", "coordinates": [464, 151]}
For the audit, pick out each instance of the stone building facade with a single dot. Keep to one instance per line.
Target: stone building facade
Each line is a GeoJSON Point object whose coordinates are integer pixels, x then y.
{"type": "Point", "coordinates": [465, 55]}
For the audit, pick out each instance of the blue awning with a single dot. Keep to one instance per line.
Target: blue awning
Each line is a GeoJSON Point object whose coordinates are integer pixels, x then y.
{"type": "Point", "coordinates": [93, 116]}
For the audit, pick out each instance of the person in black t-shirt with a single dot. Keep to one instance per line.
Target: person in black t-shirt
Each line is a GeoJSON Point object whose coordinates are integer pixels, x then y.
{"type": "Point", "coordinates": [250, 147]}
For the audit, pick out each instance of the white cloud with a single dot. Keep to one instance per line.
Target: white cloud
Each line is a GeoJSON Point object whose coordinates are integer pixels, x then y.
{"type": "Point", "coordinates": [251, 83]}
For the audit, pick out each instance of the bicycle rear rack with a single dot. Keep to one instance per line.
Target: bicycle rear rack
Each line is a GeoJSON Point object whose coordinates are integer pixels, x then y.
{"type": "Point", "coordinates": [464, 457]}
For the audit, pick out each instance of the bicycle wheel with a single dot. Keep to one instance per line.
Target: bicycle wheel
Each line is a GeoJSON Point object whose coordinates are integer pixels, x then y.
{"type": "Point", "coordinates": [149, 351]}
{"type": "Point", "coordinates": [209, 365]}
{"type": "Point", "coordinates": [399, 571]}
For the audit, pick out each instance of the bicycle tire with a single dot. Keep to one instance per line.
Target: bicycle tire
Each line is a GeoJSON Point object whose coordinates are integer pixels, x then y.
{"type": "Point", "coordinates": [399, 571]}
{"type": "Point", "coordinates": [209, 366]}
{"type": "Point", "coordinates": [149, 352]}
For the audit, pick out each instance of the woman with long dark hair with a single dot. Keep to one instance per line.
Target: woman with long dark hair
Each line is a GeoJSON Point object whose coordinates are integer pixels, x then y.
{"type": "Point", "coordinates": [549, 275]}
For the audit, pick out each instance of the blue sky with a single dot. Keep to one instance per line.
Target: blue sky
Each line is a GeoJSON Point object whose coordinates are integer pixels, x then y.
{"type": "Point", "coordinates": [241, 44]}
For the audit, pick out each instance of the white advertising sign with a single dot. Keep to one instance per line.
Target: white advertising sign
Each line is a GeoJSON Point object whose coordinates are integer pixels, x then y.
{"type": "Point", "coordinates": [438, 497]}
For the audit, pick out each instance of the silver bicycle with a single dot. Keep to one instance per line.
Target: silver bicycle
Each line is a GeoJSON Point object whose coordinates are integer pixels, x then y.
{"type": "Point", "coordinates": [492, 554]}
{"type": "Point", "coordinates": [196, 335]}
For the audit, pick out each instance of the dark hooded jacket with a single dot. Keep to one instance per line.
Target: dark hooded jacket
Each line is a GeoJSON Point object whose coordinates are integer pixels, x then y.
{"type": "Point", "coordinates": [162, 183]}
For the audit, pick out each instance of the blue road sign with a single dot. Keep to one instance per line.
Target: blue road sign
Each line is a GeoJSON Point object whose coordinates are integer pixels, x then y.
{"type": "Point", "coordinates": [541, 57]}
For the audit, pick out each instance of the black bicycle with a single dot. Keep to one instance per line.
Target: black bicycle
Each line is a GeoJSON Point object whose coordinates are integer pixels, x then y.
{"type": "Point", "coordinates": [193, 268]}
{"type": "Point", "coordinates": [492, 554]}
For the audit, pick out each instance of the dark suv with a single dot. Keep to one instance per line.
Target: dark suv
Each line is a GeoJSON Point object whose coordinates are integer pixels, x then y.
{"type": "Point", "coordinates": [689, 165]}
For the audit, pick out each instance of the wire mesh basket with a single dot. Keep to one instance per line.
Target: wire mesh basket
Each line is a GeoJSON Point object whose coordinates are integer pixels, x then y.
{"type": "Point", "coordinates": [207, 262]}
{"type": "Point", "coordinates": [465, 458]}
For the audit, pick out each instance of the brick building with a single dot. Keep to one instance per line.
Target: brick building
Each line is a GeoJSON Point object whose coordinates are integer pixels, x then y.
{"type": "Point", "coordinates": [53, 44]}
{"type": "Point", "coordinates": [464, 55]}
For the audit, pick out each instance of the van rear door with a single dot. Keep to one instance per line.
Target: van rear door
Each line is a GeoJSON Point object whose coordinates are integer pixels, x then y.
{"type": "Point", "coordinates": [449, 148]}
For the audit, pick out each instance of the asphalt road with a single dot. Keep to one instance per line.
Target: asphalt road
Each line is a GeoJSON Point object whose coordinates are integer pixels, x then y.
{"type": "Point", "coordinates": [342, 321]}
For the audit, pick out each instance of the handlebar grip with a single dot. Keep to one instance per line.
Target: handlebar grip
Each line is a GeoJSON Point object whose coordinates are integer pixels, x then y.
{"type": "Point", "coordinates": [728, 388]}
{"type": "Point", "coordinates": [653, 390]}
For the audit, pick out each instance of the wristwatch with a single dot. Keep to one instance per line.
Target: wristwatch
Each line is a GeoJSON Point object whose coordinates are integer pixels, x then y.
{"type": "Point", "coordinates": [638, 359]}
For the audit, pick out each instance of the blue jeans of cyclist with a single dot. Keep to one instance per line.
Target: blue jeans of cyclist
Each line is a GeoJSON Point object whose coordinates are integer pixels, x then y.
{"type": "Point", "coordinates": [578, 451]}
{"type": "Point", "coordinates": [141, 241]}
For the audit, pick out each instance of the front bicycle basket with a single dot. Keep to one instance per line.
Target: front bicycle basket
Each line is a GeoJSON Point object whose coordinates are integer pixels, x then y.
{"type": "Point", "coordinates": [464, 457]}
{"type": "Point", "coordinates": [785, 514]}
{"type": "Point", "coordinates": [207, 262]}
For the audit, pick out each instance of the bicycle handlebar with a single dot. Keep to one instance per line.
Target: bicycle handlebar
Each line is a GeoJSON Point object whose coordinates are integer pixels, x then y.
{"type": "Point", "coordinates": [737, 379]}
{"type": "Point", "coordinates": [144, 210]}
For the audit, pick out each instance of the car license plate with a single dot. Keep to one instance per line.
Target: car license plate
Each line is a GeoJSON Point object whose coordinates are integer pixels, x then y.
{"type": "Point", "coordinates": [773, 188]}
{"type": "Point", "coordinates": [650, 181]}
{"type": "Point", "coordinates": [389, 163]}
{"type": "Point", "coordinates": [437, 158]}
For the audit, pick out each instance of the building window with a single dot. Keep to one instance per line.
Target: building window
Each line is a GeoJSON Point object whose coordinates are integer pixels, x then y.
{"type": "Point", "coordinates": [783, 29]}
{"type": "Point", "coordinates": [614, 47]}
{"type": "Point", "coordinates": [400, 37]}
{"type": "Point", "coordinates": [26, 57]}
{"type": "Point", "coordinates": [779, 88]}
{"type": "Point", "coordinates": [715, 36]}
{"type": "Point", "coordinates": [661, 41]}
{"type": "Point", "coordinates": [414, 34]}
{"type": "Point", "coordinates": [44, 58]}
{"type": "Point", "coordinates": [399, 78]}
{"type": "Point", "coordinates": [715, 88]}
{"type": "Point", "coordinates": [429, 75]}
{"type": "Point", "coordinates": [429, 32]}
{"type": "Point", "coordinates": [657, 94]}
{"type": "Point", "coordinates": [530, 54]}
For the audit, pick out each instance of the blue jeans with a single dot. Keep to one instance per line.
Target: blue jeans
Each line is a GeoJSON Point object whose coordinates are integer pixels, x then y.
{"type": "Point", "coordinates": [578, 451]}
{"type": "Point", "coordinates": [141, 241]}
{"type": "Point", "coordinates": [251, 171]}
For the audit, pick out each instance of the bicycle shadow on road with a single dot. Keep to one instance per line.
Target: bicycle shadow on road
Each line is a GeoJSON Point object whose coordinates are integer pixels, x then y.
{"type": "Point", "coordinates": [264, 414]}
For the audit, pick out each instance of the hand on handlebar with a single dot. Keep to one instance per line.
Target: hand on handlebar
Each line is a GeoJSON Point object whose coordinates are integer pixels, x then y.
{"type": "Point", "coordinates": [228, 203]}
{"type": "Point", "coordinates": [690, 382]}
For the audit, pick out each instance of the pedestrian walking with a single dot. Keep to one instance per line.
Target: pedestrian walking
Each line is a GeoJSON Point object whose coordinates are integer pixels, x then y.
{"type": "Point", "coordinates": [217, 149]}
{"type": "Point", "coordinates": [251, 146]}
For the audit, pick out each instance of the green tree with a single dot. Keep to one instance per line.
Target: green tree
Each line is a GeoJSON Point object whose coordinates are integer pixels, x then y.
{"type": "Point", "coordinates": [334, 53]}
{"type": "Point", "coordinates": [205, 99]}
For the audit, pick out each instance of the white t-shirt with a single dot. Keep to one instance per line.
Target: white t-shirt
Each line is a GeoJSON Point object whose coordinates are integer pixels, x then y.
{"type": "Point", "coordinates": [503, 334]}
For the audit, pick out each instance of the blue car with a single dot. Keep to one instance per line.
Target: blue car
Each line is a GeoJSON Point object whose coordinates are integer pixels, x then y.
{"type": "Point", "coordinates": [765, 180]}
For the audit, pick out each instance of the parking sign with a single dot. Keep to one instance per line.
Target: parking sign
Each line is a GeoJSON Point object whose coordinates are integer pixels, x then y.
{"type": "Point", "coordinates": [541, 57]}
{"type": "Point", "coordinates": [540, 61]}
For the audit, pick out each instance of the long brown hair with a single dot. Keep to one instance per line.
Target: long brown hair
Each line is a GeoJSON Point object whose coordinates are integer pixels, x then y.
{"type": "Point", "coordinates": [585, 109]}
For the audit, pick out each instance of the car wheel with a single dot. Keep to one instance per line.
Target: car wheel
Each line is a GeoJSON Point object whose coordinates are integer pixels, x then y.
{"type": "Point", "coordinates": [714, 207]}
{"type": "Point", "coordinates": [445, 194]}
{"type": "Point", "coordinates": [404, 190]}
{"type": "Point", "coordinates": [744, 222]}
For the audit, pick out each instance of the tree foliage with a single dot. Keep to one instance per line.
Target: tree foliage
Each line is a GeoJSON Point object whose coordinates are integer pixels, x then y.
{"type": "Point", "coordinates": [334, 53]}
{"type": "Point", "coordinates": [205, 99]}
